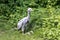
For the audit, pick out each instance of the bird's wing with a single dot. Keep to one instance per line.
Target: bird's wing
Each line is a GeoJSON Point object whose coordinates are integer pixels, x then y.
{"type": "Point", "coordinates": [23, 20]}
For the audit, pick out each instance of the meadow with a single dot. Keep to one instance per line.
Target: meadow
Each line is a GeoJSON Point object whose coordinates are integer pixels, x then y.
{"type": "Point", "coordinates": [44, 20]}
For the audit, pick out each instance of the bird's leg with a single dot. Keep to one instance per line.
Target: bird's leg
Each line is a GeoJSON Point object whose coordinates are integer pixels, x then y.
{"type": "Point", "coordinates": [23, 28]}
{"type": "Point", "coordinates": [26, 27]}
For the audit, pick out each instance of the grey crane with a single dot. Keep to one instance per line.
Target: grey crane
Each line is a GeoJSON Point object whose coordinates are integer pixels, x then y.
{"type": "Point", "coordinates": [21, 24]}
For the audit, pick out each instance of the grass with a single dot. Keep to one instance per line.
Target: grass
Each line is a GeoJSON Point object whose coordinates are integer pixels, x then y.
{"type": "Point", "coordinates": [15, 35]}
{"type": "Point", "coordinates": [45, 32]}
{"type": "Point", "coordinates": [39, 34]}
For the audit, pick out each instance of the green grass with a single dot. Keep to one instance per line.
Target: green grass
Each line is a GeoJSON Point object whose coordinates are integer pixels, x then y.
{"type": "Point", "coordinates": [43, 27]}
{"type": "Point", "coordinates": [16, 36]}
{"type": "Point", "coordinates": [39, 34]}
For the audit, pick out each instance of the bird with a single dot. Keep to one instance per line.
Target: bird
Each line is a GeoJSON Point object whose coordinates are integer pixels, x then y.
{"type": "Point", "coordinates": [21, 24]}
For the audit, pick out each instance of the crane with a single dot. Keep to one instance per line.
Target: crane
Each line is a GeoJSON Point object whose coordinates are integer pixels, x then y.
{"type": "Point", "coordinates": [21, 24]}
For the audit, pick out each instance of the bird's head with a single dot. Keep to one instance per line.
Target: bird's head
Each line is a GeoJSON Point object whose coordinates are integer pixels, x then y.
{"type": "Point", "coordinates": [29, 9]}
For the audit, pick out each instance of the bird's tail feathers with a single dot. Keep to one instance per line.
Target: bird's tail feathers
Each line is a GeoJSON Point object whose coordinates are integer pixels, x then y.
{"type": "Point", "coordinates": [19, 26]}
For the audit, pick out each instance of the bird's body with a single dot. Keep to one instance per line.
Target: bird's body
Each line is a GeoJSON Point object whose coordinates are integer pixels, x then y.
{"type": "Point", "coordinates": [24, 21]}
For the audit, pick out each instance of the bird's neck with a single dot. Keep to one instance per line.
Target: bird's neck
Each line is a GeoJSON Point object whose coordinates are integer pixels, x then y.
{"type": "Point", "coordinates": [28, 14]}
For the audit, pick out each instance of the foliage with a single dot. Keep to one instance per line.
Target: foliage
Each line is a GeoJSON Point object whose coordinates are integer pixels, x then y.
{"type": "Point", "coordinates": [44, 21]}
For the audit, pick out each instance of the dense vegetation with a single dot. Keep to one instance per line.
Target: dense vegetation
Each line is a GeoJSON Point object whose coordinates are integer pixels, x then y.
{"type": "Point", "coordinates": [44, 21]}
